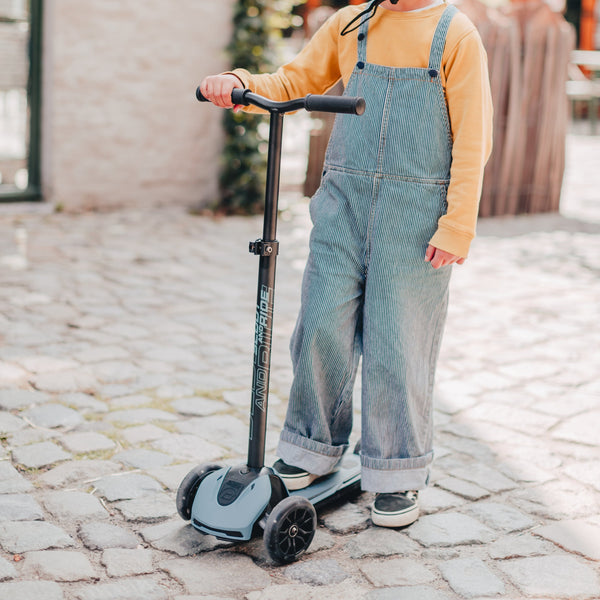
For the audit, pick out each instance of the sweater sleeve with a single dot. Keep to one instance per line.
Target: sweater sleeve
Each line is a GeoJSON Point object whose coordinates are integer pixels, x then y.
{"type": "Point", "coordinates": [470, 110]}
{"type": "Point", "coordinates": [314, 70]}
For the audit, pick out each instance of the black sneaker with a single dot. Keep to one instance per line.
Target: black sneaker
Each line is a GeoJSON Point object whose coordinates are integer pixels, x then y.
{"type": "Point", "coordinates": [294, 478]}
{"type": "Point", "coordinates": [395, 510]}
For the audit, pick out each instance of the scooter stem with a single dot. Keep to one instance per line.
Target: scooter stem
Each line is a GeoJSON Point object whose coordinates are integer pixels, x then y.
{"type": "Point", "coordinates": [267, 248]}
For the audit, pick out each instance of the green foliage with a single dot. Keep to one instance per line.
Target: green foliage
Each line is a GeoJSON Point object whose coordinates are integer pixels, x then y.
{"type": "Point", "coordinates": [244, 160]}
{"type": "Point", "coordinates": [256, 26]}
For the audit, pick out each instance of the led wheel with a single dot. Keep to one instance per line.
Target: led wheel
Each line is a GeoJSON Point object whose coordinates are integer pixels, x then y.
{"type": "Point", "coordinates": [188, 488]}
{"type": "Point", "coordinates": [290, 529]}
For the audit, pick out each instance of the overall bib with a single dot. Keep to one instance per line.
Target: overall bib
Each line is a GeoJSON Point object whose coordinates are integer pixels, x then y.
{"type": "Point", "coordinates": [367, 289]}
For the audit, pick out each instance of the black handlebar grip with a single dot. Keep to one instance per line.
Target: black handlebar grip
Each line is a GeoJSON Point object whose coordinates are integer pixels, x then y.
{"type": "Point", "coordinates": [336, 104]}
{"type": "Point", "coordinates": [200, 97]}
{"type": "Point", "coordinates": [237, 96]}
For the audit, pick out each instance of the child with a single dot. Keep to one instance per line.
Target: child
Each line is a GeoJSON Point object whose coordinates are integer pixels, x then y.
{"type": "Point", "coordinates": [396, 207]}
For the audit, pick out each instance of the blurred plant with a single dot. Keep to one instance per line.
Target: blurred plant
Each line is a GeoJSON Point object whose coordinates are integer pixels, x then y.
{"type": "Point", "coordinates": [256, 27]}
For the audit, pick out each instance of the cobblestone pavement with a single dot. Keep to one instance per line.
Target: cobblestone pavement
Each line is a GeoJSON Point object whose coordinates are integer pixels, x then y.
{"type": "Point", "coordinates": [125, 361]}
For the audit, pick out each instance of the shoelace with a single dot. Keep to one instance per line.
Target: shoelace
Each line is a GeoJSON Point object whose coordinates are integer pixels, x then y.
{"type": "Point", "coordinates": [372, 9]}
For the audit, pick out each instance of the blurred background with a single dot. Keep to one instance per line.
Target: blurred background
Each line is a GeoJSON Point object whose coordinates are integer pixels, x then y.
{"type": "Point", "coordinates": [97, 107]}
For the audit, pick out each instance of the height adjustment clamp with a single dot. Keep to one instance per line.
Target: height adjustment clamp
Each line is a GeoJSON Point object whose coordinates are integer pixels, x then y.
{"type": "Point", "coordinates": [262, 248]}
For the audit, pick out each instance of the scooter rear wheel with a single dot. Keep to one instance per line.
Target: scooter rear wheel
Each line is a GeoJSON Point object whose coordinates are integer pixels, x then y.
{"type": "Point", "coordinates": [290, 529]}
{"type": "Point", "coordinates": [188, 488]}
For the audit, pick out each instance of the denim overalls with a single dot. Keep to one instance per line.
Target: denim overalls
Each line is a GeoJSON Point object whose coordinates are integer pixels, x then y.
{"type": "Point", "coordinates": [366, 288]}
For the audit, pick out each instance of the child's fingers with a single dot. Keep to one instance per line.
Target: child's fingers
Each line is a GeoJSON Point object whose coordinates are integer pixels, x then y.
{"type": "Point", "coordinates": [429, 253]}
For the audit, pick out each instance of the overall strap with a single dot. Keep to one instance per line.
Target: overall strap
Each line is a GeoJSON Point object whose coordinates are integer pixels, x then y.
{"type": "Point", "coordinates": [362, 42]}
{"type": "Point", "coordinates": [439, 38]}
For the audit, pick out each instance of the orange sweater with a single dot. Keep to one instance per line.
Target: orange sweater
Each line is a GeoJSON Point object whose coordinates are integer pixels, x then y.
{"type": "Point", "coordinates": [402, 39]}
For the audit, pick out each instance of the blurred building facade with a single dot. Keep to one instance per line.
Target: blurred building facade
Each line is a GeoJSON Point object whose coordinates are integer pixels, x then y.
{"type": "Point", "coordinates": [120, 124]}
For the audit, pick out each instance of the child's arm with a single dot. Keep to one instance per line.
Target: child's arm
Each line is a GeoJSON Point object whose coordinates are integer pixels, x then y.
{"type": "Point", "coordinates": [313, 71]}
{"type": "Point", "coordinates": [470, 109]}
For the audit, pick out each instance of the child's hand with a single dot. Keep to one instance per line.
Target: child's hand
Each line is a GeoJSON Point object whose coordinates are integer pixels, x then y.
{"type": "Point", "coordinates": [440, 258]}
{"type": "Point", "coordinates": [218, 88]}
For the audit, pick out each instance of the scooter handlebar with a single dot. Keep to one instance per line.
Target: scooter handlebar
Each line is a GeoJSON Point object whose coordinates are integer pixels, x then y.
{"type": "Point", "coordinates": [312, 102]}
{"type": "Point", "coordinates": [335, 104]}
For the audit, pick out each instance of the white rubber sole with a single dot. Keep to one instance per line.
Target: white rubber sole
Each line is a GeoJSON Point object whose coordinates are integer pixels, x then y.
{"type": "Point", "coordinates": [298, 482]}
{"type": "Point", "coordinates": [399, 519]}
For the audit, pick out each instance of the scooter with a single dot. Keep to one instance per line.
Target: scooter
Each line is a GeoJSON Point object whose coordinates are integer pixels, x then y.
{"type": "Point", "coordinates": [234, 503]}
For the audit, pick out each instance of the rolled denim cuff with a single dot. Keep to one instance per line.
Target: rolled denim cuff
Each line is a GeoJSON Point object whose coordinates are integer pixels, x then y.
{"type": "Point", "coordinates": [315, 457]}
{"type": "Point", "coordinates": [386, 476]}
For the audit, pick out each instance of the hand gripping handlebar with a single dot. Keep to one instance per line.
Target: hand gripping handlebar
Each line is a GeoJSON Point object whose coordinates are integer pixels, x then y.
{"type": "Point", "coordinates": [333, 104]}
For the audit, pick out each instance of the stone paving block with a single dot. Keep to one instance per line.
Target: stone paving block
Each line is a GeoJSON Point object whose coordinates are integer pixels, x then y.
{"type": "Point", "coordinates": [15, 399]}
{"type": "Point", "coordinates": [115, 371]}
{"type": "Point", "coordinates": [586, 472]}
{"type": "Point", "coordinates": [347, 518]}
{"type": "Point", "coordinates": [574, 536]}
{"type": "Point", "coordinates": [180, 538]}
{"type": "Point", "coordinates": [7, 571]}
{"type": "Point", "coordinates": [52, 415]}
{"type": "Point", "coordinates": [26, 536]}
{"type": "Point", "coordinates": [140, 415]}
{"type": "Point", "coordinates": [74, 380]}
{"type": "Point", "coordinates": [120, 562]}
{"type": "Point", "coordinates": [212, 574]}
{"type": "Point", "coordinates": [86, 442]}
{"type": "Point", "coordinates": [130, 401]}
{"type": "Point", "coordinates": [450, 529]}
{"type": "Point", "coordinates": [100, 536]}
{"type": "Point", "coordinates": [519, 546]}
{"type": "Point", "coordinates": [26, 437]}
{"type": "Point", "coordinates": [139, 458]}
{"type": "Point", "coordinates": [412, 592]}
{"type": "Point", "coordinates": [317, 571]}
{"type": "Point", "coordinates": [58, 565]}
{"type": "Point", "coordinates": [124, 589]}
{"type": "Point", "coordinates": [74, 506]}
{"type": "Point", "coordinates": [172, 475]}
{"type": "Point", "coordinates": [96, 354]}
{"type": "Point", "coordinates": [80, 473]}
{"type": "Point", "coordinates": [346, 590]}
{"type": "Point", "coordinates": [525, 471]}
{"type": "Point", "coordinates": [84, 402]}
{"type": "Point", "coordinates": [396, 572]}
{"type": "Point", "coordinates": [462, 488]}
{"type": "Point", "coordinates": [223, 430]}
{"type": "Point", "coordinates": [323, 540]}
{"type": "Point", "coordinates": [11, 374]}
{"type": "Point", "coordinates": [31, 590]}
{"type": "Point", "coordinates": [581, 429]}
{"type": "Point", "coordinates": [39, 455]}
{"type": "Point", "coordinates": [143, 433]}
{"type": "Point", "coordinates": [557, 500]}
{"type": "Point", "coordinates": [501, 517]}
{"type": "Point", "coordinates": [198, 407]}
{"type": "Point", "coordinates": [10, 423]}
{"type": "Point", "coordinates": [19, 507]}
{"type": "Point", "coordinates": [126, 487]}
{"type": "Point", "coordinates": [433, 499]}
{"type": "Point", "coordinates": [148, 508]}
{"type": "Point", "coordinates": [46, 364]}
{"type": "Point", "coordinates": [190, 447]}
{"type": "Point", "coordinates": [519, 419]}
{"type": "Point", "coordinates": [11, 481]}
{"type": "Point", "coordinates": [553, 576]}
{"type": "Point", "coordinates": [377, 541]}
{"type": "Point", "coordinates": [485, 477]}
{"type": "Point", "coordinates": [470, 577]}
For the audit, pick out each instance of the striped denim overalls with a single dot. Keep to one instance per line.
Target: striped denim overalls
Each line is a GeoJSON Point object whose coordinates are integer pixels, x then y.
{"type": "Point", "coordinates": [366, 288]}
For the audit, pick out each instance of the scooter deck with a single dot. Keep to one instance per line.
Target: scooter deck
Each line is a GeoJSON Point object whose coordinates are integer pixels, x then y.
{"type": "Point", "coordinates": [325, 488]}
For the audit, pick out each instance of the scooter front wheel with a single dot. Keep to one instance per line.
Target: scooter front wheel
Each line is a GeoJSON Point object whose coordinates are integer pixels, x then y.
{"type": "Point", "coordinates": [188, 488]}
{"type": "Point", "coordinates": [290, 529]}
